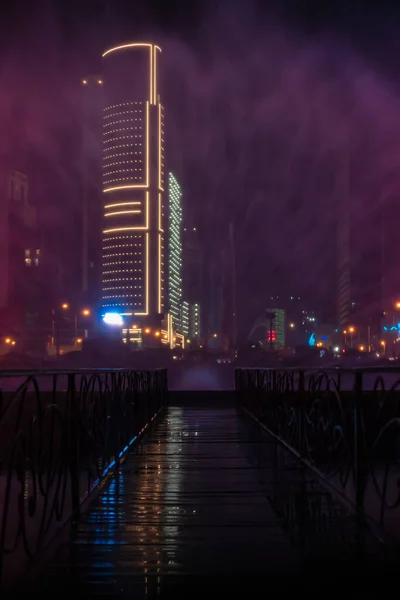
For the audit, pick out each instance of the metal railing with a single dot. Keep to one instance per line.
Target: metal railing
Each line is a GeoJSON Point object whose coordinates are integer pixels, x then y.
{"type": "Point", "coordinates": [344, 424]}
{"type": "Point", "coordinates": [61, 435]}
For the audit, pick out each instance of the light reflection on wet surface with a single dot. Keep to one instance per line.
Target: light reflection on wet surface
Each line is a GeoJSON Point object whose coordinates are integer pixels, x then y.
{"type": "Point", "coordinates": [204, 494]}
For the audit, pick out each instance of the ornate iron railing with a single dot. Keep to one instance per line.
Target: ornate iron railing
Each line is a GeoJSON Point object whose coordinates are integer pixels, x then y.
{"type": "Point", "coordinates": [344, 424]}
{"type": "Point", "coordinates": [61, 434]}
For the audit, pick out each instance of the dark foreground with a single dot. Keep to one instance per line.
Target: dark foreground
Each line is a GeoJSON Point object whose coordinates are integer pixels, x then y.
{"type": "Point", "coordinates": [207, 501]}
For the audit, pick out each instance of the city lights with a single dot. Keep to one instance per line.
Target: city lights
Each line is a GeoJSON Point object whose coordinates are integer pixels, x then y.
{"type": "Point", "coordinates": [86, 312]}
{"type": "Point", "coordinates": [65, 306]}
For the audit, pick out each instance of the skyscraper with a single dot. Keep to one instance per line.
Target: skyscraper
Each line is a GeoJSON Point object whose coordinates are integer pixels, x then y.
{"type": "Point", "coordinates": [175, 252]}
{"type": "Point", "coordinates": [133, 183]}
{"type": "Point", "coordinates": [90, 167]}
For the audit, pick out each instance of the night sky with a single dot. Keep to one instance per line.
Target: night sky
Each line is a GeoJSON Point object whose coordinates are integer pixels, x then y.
{"type": "Point", "coordinates": [264, 106]}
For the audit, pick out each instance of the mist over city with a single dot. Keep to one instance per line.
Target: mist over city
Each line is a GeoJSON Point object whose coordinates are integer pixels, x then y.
{"type": "Point", "coordinates": [199, 225]}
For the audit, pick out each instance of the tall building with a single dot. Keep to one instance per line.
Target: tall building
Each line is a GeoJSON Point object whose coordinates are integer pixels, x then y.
{"type": "Point", "coordinates": [90, 165]}
{"type": "Point", "coordinates": [133, 183]}
{"type": "Point", "coordinates": [359, 261]}
{"type": "Point", "coordinates": [194, 323]}
{"type": "Point", "coordinates": [175, 251]}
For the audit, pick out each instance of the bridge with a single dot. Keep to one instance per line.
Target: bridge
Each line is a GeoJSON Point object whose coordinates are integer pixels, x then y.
{"type": "Point", "coordinates": [112, 485]}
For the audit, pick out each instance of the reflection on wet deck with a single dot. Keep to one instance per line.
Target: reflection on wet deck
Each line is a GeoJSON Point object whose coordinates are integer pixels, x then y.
{"type": "Point", "coordinates": [206, 493]}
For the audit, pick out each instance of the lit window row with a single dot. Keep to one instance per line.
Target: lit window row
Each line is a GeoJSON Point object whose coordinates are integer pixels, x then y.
{"type": "Point", "coordinates": [124, 237]}
{"type": "Point", "coordinates": [122, 137]}
{"type": "Point", "coordinates": [127, 170]}
{"type": "Point", "coordinates": [119, 121]}
{"type": "Point", "coordinates": [105, 156]}
{"type": "Point", "coordinates": [124, 162]}
{"type": "Point", "coordinates": [122, 104]}
{"type": "Point", "coordinates": [123, 296]}
{"type": "Point", "coordinates": [122, 179]}
{"type": "Point", "coordinates": [131, 271]}
{"type": "Point", "coordinates": [118, 147]}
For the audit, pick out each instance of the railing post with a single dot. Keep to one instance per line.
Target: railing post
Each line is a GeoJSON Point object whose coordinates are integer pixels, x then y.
{"type": "Point", "coordinates": [74, 443]}
{"type": "Point", "coordinates": [301, 402]}
{"type": "Point", "coordinates": [359, 458]}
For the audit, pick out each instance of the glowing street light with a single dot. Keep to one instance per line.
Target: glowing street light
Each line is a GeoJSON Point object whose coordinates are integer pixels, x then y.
{"type": "Point", "coordinates": [86, 312]}
{"type": "Point", "coordinates": [157, 334]}
{"type": "Point", "coordinates": [291, 325]}
{"type": "Point", "coordinates": [351, 330]}
{"type": "Point", "coordinates": [8, 340]}
{"type": "Point", "coordinates": [148, 330]}
{"type": "Point", "coordinates": [65, 306]}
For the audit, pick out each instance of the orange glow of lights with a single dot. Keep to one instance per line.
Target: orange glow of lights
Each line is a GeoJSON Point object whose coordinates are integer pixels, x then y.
{"type": "Point", "coordinates": [361, 348]}
{"type": "Point", "coordinates": [148, 330]}
{"type": "Point", "coordinates": [123, 212]}
{"type": "Point", "coordinates": [86, 312]}
{"type": "Point", "coordinates": [157, 334]}
{"type": "Point", "coordinates": [65, 306]}
{"type": "Point", "coordinates": [125, 187]}
{"type": "Point", "coordinates": [13, 343]}
{"type": "Point", "coordinates": [159, 146]}
{"type": "Point", "coordinates": [345, 332]}
{"type": "Point", "coordinates": [120, 229]}
{"type": "Point", "coordinates": [7, 341]}
{"type": "Point", "coordinates": [151, 74]}
{"type": "Point", "coordinates": [397, 305]}
{"type": "Point", "coordinates": [147, 144]}
{"type": "Point", "coordinates": [122, 204]}
{"type": "Point", "coordinates": [124, 46]}
{"type": "Point", "coordinates": [159, 272]}
{"type": "Point", "coordinates": [100, 81]}
{"type": "Point", "coordinates": [134, 326]}
{"type": "Point", "coordinates": [383, 343]}
{"type": "Point", "coordinates": [159, 213]}
{"type": "Point", "coordinates": [84, 81]}
{"type": "Point", "coordinates": [79, 341]}
{"type": "Point", "coordinates": [147, 210]}
{"type": "Point", "coordinates": [155, 77]}
{"type": "Point", "coordinates": [351, 329]}
{"type": "Point", "coordinates": [147, 271]}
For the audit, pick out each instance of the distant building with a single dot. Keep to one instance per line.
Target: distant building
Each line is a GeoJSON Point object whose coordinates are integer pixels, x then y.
{"type": "Point", "coordinates": [91, 199]}
{"type": "Point", "coordinates": [360, 269]}
{"type": "Point", "coordinates": [175, 252]}
{"type": "Point", "coordinates": [185, 319]}
{"type": "Point", "coordinates": [23, 297]}
{"type": "Point", "coordinates": [194, 324]}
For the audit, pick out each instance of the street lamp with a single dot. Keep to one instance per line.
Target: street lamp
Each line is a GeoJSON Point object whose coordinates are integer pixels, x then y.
{"type": "Point", "coordinates": [291, 325]}
{"type": "Point", "coordinates": [351, 330]}
{"type": "Point", "coordinates": [86, 312]}
{"type": "Point", "coordinates": [65, 306]}
{"type": "Point", "coordinates": [397, 305]}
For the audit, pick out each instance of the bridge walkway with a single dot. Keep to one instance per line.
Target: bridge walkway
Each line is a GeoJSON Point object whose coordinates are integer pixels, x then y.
{"type": "Point", "coordinates": [206, 493]}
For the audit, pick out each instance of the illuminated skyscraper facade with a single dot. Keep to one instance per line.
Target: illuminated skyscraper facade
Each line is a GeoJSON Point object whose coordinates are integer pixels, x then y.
{"type": "Point", "coordinates": [175, 252]}
{"type": "Point", "coordinates": [133, 182]}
